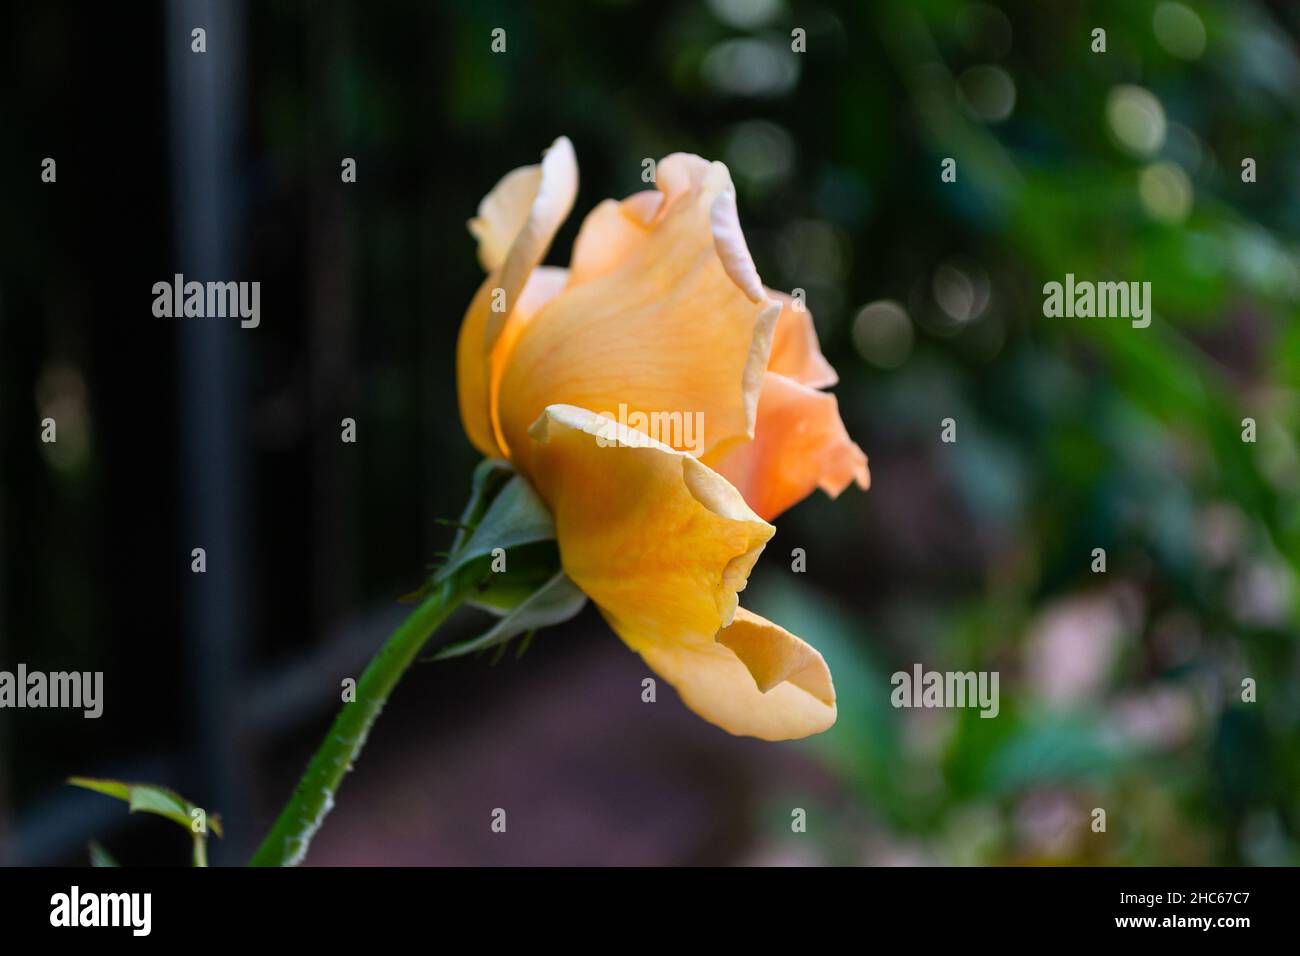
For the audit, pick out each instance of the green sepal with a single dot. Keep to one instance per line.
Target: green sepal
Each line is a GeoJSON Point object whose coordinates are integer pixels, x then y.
{"type": "Point", "coordinates": [529, 568]}
{"type": "Point", "coordinates": [489, 475]}
{"type": "Point", "coordinates": [532, 591]}
{"type": "Point", "coordinates": [557, 600]}
{"type": "Point", "coordinates": [513, 517]}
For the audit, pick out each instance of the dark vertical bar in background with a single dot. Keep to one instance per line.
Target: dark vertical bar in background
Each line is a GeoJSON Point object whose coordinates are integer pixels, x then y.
{"type": "Point", "coordinates": [333, 390]}
{"type": "Point", "coordinates": [206, 107]}
{"type": "Point", "coordinates": [6, 812]}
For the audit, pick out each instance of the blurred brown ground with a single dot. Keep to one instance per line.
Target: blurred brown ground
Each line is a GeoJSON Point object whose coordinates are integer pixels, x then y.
{"type": "Point", "coordinates": [587, 773]}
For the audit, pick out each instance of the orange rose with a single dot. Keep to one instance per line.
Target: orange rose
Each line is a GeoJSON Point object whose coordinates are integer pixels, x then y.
{"type": "Point", "coordinates": [660, 315]}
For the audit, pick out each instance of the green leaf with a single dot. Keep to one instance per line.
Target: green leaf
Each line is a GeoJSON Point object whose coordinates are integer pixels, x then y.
{"type": "Point", "coordinates": [148, 798]}
{"type": "Point", "coordinates": [557, 600]}
{"type": "Point", "coordinates": [515, 517]}
{"type": "Point", "coordinates": [100, 857]}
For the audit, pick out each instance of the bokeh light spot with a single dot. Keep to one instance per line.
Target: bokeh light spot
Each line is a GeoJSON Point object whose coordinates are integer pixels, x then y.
{"type": "Point", "coordinates": [1179, 30]}
{"type": "Point", "coordinates": [1137, 119]}
{"type": "Point", "coordinates": [989, 92]}
{"type": "Point", "coordinates": [882, 334]}
{"type": "Point", "coordinates": [751, 67]}
{"type": "Point", "coordinates": [1166, 192]}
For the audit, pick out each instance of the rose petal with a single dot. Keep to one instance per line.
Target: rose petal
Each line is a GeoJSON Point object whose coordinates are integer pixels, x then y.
{"type": "Point", "coordinates": [679, 323]}
{"type": "Point", "coordinates": [515, 226]}
{"type": "Point", "coordinates": [796, 352]}
{"type": "Point", "coordinates": [756, 679]}
{"type": "Point", "coordinates": [800, 443]}
{"type": "Point", "coordinates": [659, 542]}
{"type": "Point", "coordinates": [610, 233]}
{"type": "Point", "coordinates": [502, 214]}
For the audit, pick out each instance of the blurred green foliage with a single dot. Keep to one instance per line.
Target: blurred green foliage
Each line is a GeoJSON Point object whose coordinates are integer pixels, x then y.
{"type": "Point", "coordinates": [1123, 691]}
{"type": "Point", "coordinates": [1120, 690]}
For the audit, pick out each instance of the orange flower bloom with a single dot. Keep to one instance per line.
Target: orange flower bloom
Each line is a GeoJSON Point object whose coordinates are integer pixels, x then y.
{"type": "Point", "coordinates": [660, 315]}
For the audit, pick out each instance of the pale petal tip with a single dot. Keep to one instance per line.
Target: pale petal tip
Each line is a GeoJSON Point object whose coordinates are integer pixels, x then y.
{"type": "Point", "coordinates": [560, 151]}
{"type": "Point", "coordinates": [729, 240]}
{"type": "Point", "coordinates": [760, 350]}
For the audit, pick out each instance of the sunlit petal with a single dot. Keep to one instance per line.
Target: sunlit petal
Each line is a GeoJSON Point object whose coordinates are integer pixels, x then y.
{"type": "Point", "coordinates": [515, 226]}
{"type": "Point", "coordinates": [755, 679]}
{"type": "Point", "coordinates": [675, 320]}
{"type": "Point", "coordinates": [660, 542]}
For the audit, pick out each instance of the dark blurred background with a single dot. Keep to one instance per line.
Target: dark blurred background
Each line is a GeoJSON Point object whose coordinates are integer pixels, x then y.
{"type": "Point", "coordinates": [1119, 690]}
